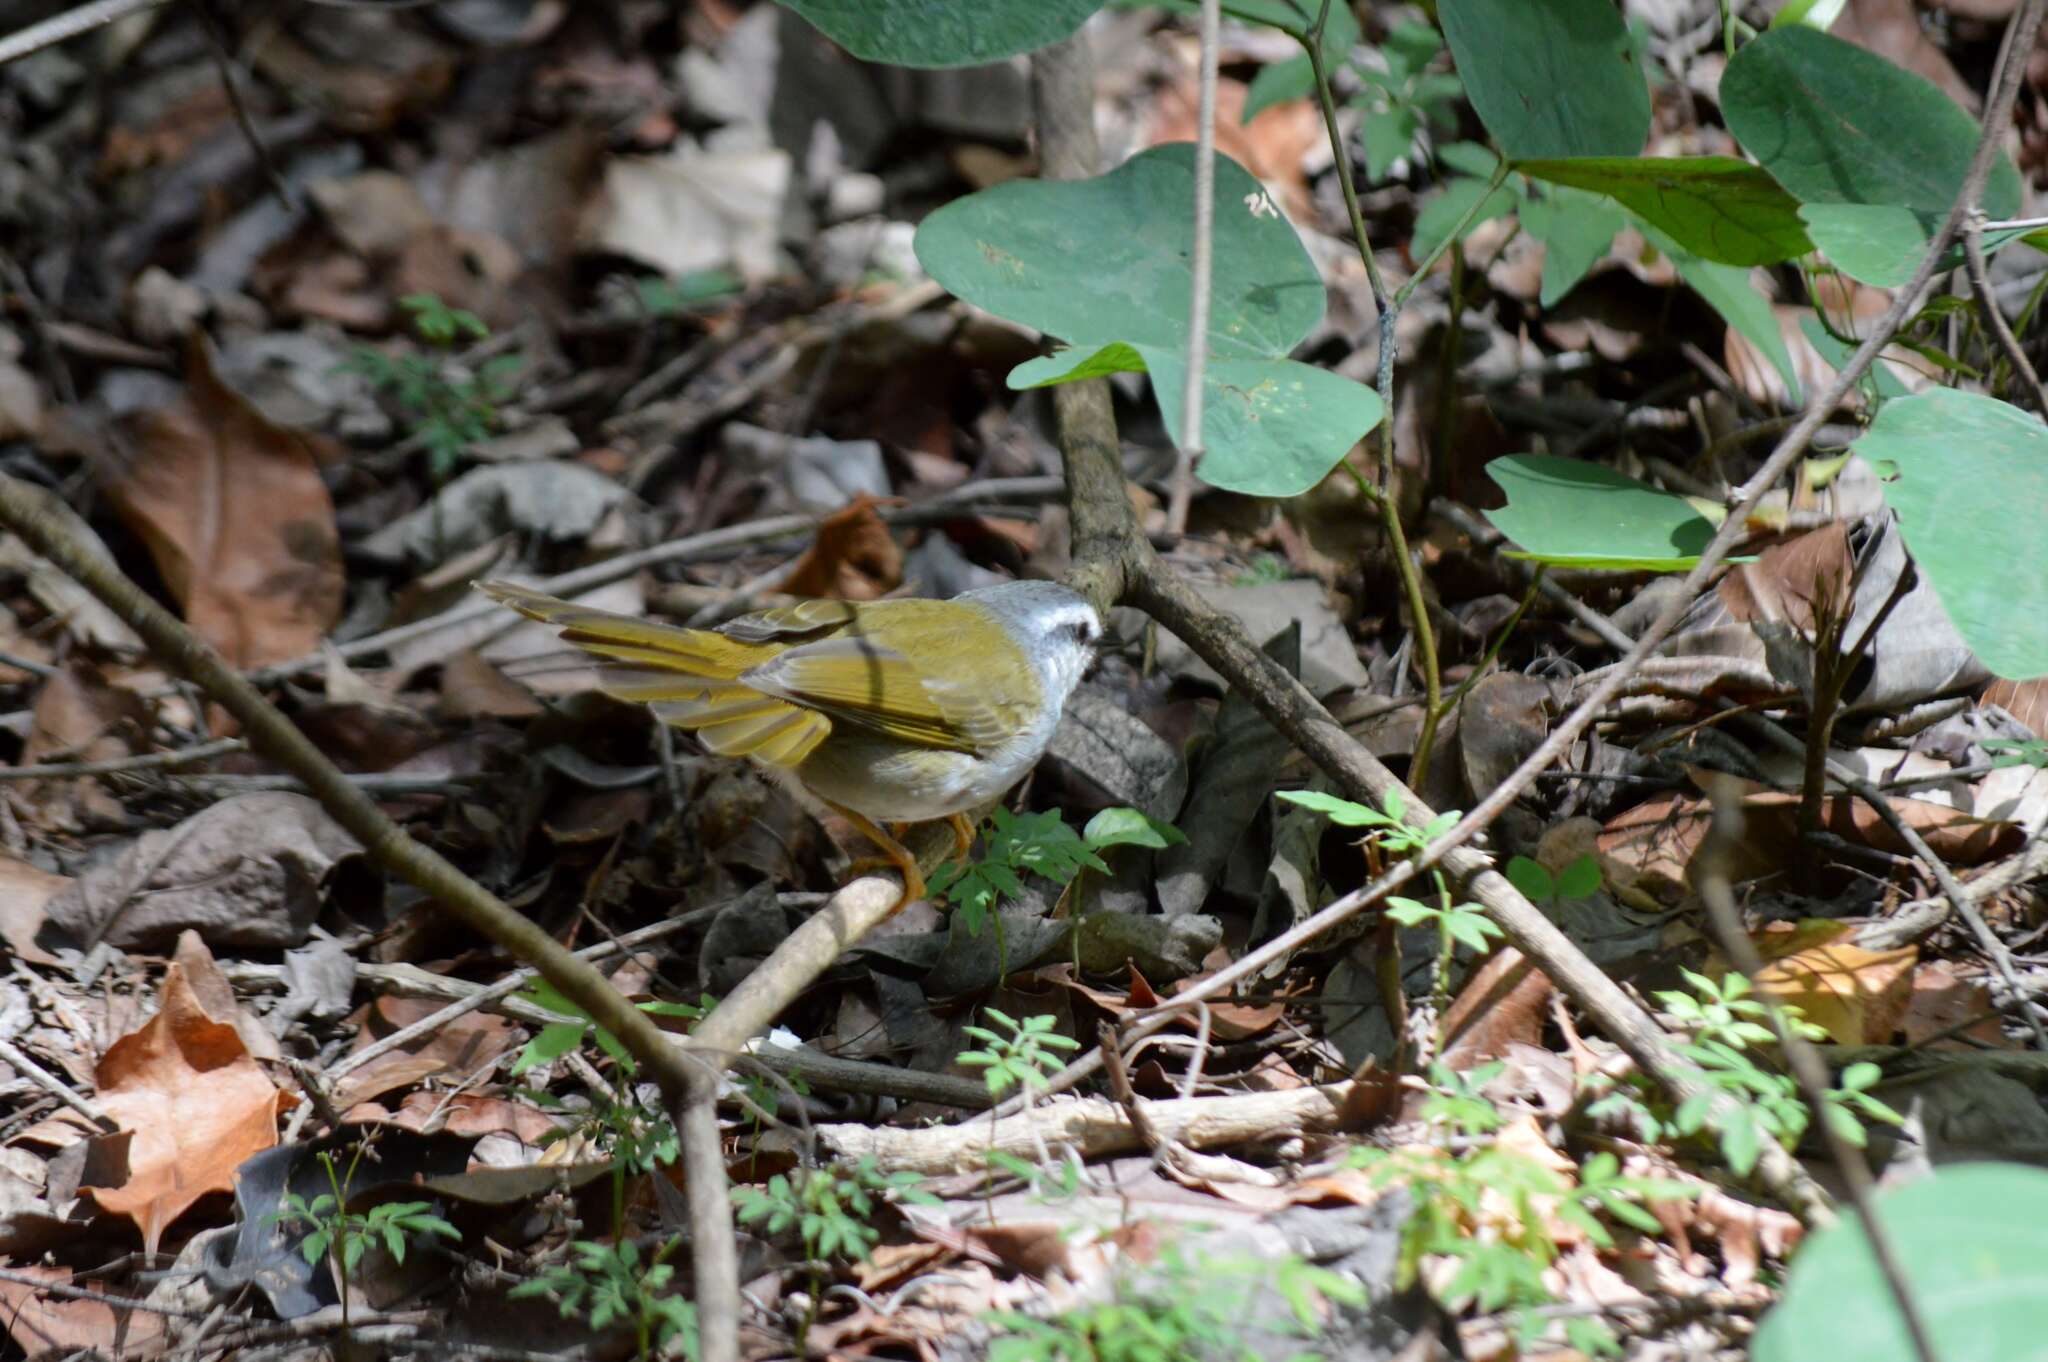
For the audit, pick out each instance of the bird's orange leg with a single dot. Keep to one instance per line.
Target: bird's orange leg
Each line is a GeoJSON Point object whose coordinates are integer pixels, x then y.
{"type": "Point", "coordinates": [963, 835]}
{"type": "Point", "coordinates": [894, 855]}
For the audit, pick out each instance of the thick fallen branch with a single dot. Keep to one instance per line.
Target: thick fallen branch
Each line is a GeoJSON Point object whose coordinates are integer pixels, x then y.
{"type": "Point", "coordinates": [1091, 1126]}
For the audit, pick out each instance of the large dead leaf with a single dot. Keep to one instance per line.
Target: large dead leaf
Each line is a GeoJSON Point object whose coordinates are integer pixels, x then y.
{"type": "Point", "coordinates": [236, 517]}
{"type": "Point", "coordinates": [1857, 996]}
{"type": "Point", "coordinates": [1658, 838]}
{"type": "Point", "coordinates": [62, 1327]}
{"type": "Point", "coordinates": [195, 1102]}
{"type": "Point", "coordinates": [251, 870]}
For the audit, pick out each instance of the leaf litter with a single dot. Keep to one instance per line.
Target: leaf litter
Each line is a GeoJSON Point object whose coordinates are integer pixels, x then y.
{"type": "Point", "coordinates": [702, 308]}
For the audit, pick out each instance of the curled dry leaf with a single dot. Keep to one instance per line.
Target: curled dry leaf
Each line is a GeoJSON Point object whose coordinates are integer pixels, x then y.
{"type": "Point", "coordinates": [236, 518]}
{"type": "Point", "coordinates": [464, 1045]}
{"type": "Point", "coordinates": [854, 556]}
{"type": "Point", "coordinates": [59, 1327]}
{"type": "Point", "coordinates": [195, 1103]}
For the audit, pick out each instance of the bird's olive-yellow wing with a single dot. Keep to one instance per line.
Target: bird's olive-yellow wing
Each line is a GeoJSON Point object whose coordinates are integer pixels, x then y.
{"type": "Point", "coordinates": [686, 676]}
{"type": "Point", "coordinates": [941, 674]}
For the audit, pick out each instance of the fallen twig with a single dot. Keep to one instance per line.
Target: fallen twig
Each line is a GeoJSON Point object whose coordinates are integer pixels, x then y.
{"type": "Point", "coordinates": [1091, 1126]}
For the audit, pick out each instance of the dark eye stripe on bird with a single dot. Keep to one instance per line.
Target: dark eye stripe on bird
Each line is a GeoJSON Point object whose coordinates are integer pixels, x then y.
{"type": "Point", "coordinates": [896, 710]}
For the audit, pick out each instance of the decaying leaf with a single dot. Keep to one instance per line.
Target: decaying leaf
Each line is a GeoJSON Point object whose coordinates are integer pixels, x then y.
{"type": "Point", "coordinates": [463, 1045]}
{"type": "Point", "coordinates": [854, 557]}
{"type": "Point", "coordinates": [24, 890]}
{"type": "Point", "coordinates": [59, 1327]}
{"type": "Point", "coordinates": [236, 517]}
{"type": "Point", "coordinates": [1858, 996]}
{"type": "Point", "coordinates": [195, 1102]}
{"type": "Point", "coordinates": [248, 871]}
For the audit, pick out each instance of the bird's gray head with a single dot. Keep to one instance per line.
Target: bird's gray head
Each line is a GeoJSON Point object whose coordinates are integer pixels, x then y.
{"type": "Point", "coordinates": [1056, 626]}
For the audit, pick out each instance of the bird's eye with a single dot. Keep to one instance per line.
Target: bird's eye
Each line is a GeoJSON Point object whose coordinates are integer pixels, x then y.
{"type": "Point", "coordinates": [1082, 631]}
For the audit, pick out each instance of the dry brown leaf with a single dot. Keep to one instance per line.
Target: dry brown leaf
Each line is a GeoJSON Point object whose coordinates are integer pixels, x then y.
{"type": "Point", "coordinates": [1503, 1002]}
{"type": "Point", "coordinates": [1274, 147]}
{"type": "Point", "coordinates": [59, 1327]}
{"type": "Point", "coordinates": [196, 1104]}
{"type": "Point", "coordinates": [1857, 996]}
{"type": "Point", "coordinates": [1792, 582]}
{"type": "Point", "coordinates": [463, 1045]}
{"type": "Point", "coordinates": [1944, 999]}
{"type": "Point", "coordinates": [217, 996]}
{"type": "Point", "coordinates": [854, 557]}
{"type": "Point", "coordinates": [77, 717]}
{"type": "Point", "coordinates": [237, 519]}
{"type": "Point", "coordinates": [24, 889]}
{"type": "Point", "coordinates": [472, 688]}
{"type": "Point", "coordinates": [2026, 701]}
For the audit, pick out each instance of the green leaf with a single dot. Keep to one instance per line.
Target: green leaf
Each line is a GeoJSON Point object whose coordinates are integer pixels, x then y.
{"type": "Point", "coordinates": [1820, 14]}
{"type": "Point", "coordinates": [1342, 812]}
{"type": "Point", "coordinates": [1580, 878]}
{"type": "Point", "coordinates": [1877, 243]}
{"type": "Point", "coordinates": [1129, 827]}
{"type": "Point", "coordinates": [1531, 878]}
{"type": "Point", "coordinates": [1836, 124]}
{"type": "Point", "coordinates": [1408, 912]}
{"type": "Point", "coordinates": [1550, 77]}
{"type": "Point", "coordinates": [1717, 207]}
{"type": "Point", "coordinates": [1576, 230]}
{"type": "Point", "coordinates": [1442, 212]}
{"type": "Point", "coordinates": [1276, 83]}
{"type": "Point", "coordinates": [1387, 135]}
{"type": "Point", "coordinates": [935, 33]}
{"type": "Point", "coordinates": [552, 1042]}
{"type": "Point", "coordinates": [1972, 1240]}
{"type": "Point", "coordinates": [1579, 514]}
{"type": "Point", "coordinates": [1968, 478]}
{"type": "Point", "coordinates": [1292, 17]}
{"type": "Point", "coordinates": [1103, 264]}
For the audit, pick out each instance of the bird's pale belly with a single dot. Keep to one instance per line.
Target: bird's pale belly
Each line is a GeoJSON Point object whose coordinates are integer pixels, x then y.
{"type": "Point", "coordinates": [886, 782]}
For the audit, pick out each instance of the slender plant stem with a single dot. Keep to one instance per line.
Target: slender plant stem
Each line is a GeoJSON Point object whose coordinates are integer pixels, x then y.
{"type": "Point", "coordinates": [1994, 316]}
{"type": "Point", "coordinates": [1499, 178]}
{"type": "Point", "coordinates": [1418, 609]}
{"type": "Point", "coordinates": [1804, 1061]}
{"type": "Point", "coordinates": [1201, 277]}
